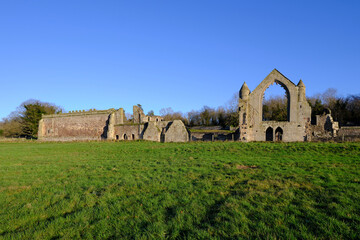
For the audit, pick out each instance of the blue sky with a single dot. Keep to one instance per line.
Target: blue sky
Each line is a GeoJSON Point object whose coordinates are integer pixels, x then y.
{"type": "Point", "coordinates": [179, 54]}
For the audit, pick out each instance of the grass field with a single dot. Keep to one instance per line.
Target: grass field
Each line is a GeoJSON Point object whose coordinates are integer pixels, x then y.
{"type": "Point", "coordinates": [145, 190]}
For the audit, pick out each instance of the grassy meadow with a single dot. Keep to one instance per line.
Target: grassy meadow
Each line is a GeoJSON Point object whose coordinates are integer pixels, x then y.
{"type": "Point", "coordinates": [199, 190]}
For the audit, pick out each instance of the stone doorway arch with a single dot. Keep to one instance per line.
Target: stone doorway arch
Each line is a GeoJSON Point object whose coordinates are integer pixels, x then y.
{"type": "Point", "coordinates": [269, 134]}
{"type": "Point", "coordinates": [279, 134]}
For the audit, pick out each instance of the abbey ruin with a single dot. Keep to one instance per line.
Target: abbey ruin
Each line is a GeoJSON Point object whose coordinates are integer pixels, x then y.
{"type": "Point", "coordinates": [251, 124]}
{"type": "Point", "coordinates": [112, 124]}
{"type": "Point", "coordinates": [297, 128]}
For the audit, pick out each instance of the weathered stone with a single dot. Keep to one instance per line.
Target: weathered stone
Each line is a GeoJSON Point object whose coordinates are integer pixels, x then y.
{"type": "Point", "coordinates": [176, 132]}
{"type": "Point", "coordinates": [112, 124]}
{"type": "Point", "coordinates": [152, 132]}
{"type": "Point", "coordinates": [325, 127]}
{"type": "Point", "coordinates": [253, 128]}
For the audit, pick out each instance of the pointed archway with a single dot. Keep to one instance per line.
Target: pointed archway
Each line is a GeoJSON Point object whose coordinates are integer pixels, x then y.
{"type": "Point", "coordinates": [269, 134]}
{"type": "Point", "coordinates": [279, 134]}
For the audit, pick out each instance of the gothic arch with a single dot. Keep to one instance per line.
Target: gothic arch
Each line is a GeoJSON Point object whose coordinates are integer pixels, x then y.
{"type": "Point", "coordinates": [279, 134]}
{"type": "Point", "coordinates": [251, 124]}
{"type": "Point", "coordinates": [269, 134]}
{"type": "Point", "coordinates": [287, 96]}
{"type": "Point", "coordinates": [290, 88]}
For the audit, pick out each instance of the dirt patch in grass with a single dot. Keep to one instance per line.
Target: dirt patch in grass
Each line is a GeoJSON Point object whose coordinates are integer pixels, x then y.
{"type": "Point", "coordinates": [243, 167]}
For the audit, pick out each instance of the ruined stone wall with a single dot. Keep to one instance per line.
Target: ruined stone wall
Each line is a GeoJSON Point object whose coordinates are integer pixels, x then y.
{"type": "Point", "coordinates": [211, 136]}
{"type": "Point", "coordinates": [161, 131]}
{"type": "Point", "coordinates": [348, 134]}
{"type": "Point", "coordinates": [152, 132]}
{"type": "Point", "coordinates": [140, 117]}
{"type": "Point", "coordinates": [128, 131]}
{"type": "Point", "coordinates": [176, 132]}
{"type": "Point", "coordinates": [74, 126]}
{"type": "Point", "coordinates": [253, 128]}
{"type": "Point", "coordinates": [325, 128]}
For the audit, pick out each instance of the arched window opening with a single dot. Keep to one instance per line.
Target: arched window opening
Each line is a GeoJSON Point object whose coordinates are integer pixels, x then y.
{"type": "Point", "coordinates": [269, 134]}
{"type": "Point", "coordinates": [244, 118]}
{"type": "Point", "coordinates": [125, 137]}
{"type": "Point", "coordinates": [279, 134]}
{"type": "Point", "coordinates": [133, 136]}
{"type": "Point", "coordinates": [276, 103]}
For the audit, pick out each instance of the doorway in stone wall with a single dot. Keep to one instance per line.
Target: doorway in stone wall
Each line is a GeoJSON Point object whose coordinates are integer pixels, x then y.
{"type": "Point", "coordinates": [269, 134]}
{"type": "Point", "coordinates": [133, 136]}
{"type": "Point", "coordinates": [125, 137]}
{"type": "Point", "coordinates": [279, 134]}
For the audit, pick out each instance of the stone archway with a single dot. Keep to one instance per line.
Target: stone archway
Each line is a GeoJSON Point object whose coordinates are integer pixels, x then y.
{"type": "Point", "coordinates": [279, 134]}
{"type": "Point", "coordinates": [287, 95]}
{"type": "Point", "coordinates": [251, 124]}
{"type": "Point", "coordinates": [269, 134]}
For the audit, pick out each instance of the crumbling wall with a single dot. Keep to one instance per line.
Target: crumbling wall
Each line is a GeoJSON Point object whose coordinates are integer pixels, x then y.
{"type": "Point", "coordinates": [349, 134]}
{"type": "Point", "coordinates": [127, 132]}
{"type": "Point", "coordinates": [151, 132]}
{"type": "Point", "coordinates": [111, 125]}
{"type": "Point", "coordinates": [325, 128]}
{"type": "Point", "coordinates": [140, 117]}
{"type": "Point", "coordinates": [251, 124]}
{"type": "Point", "coordinates": [176, 132]}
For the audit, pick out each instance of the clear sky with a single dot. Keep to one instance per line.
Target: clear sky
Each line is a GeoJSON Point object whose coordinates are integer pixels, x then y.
{"type": "Point", "coordinates": [179, 54]}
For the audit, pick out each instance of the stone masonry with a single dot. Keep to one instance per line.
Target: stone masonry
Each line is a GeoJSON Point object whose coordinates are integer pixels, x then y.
{"type": "Point", "coordinates": [251, 124]}
{"type": "Point", "coordinates": [110, 124]}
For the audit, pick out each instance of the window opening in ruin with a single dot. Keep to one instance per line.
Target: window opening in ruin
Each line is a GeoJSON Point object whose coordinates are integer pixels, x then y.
{"type": "Point", "coordinates": [133, 136]}
{"type": "Point", "coordinates": [269, 134]}
{"type": "Point", "coordinates": [279, 134]}
{"type": "Point", "coordinates": [117, 137]}
{"type": "Point", "coordinates": [125, 137]}
{"type": "Point", "coordinates": [276, 104]}
{"type": "Point", "coordinates": [244, 118]}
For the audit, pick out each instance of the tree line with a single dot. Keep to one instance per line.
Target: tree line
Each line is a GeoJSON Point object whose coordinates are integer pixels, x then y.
{"type": "Point", "coordinates": [346, 110]}
{"type": "Point", "coordinates": [24, 121]}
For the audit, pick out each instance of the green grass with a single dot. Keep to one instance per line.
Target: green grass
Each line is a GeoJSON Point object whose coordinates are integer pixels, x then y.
{"type": "Point", "coordinates": [199, 190]}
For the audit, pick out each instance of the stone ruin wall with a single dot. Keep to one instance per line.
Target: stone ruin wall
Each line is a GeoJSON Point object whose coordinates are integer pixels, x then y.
{"type": "Point", "coordinates": [111, 125]}
{"type": "Point", "coordinates": [91, 125]}
{"type": "Point", "coordinates": [127, 132]}
{"type": "Point", "coordinates": [252, 127]}
{"type": "Point", "coordinates": [348, 134]}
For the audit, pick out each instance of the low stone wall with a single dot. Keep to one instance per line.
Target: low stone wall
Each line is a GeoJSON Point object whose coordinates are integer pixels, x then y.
{"type": "Point", "coordinates": [212, 136]}
{"type": "Point", "coordinates": [348, 134]}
